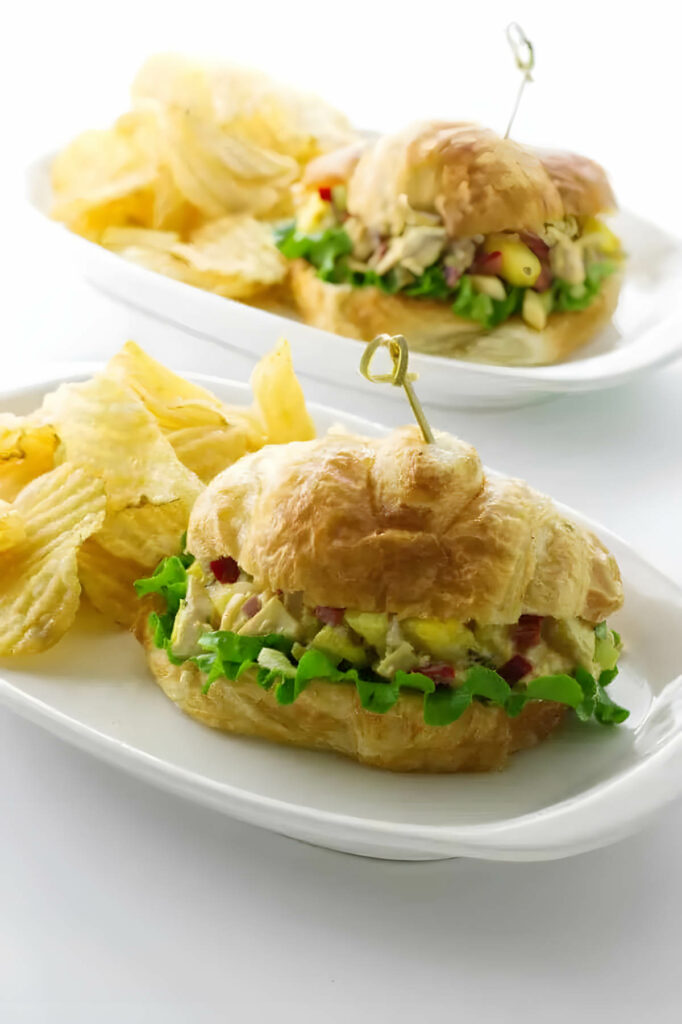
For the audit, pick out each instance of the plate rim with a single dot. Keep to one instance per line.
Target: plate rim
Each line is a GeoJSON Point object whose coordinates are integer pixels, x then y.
{"type": "Point", "coordinates": [506, 838]}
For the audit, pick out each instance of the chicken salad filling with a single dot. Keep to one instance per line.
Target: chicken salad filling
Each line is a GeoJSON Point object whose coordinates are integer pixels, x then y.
{"type": "Point", "coordinates": [485, 278]}
{"type": "Point", "coordinates": [221, 621]}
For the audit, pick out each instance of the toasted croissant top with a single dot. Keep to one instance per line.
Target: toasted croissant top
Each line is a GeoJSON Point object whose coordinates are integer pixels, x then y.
{"type": "Point", "coordinates": [474, 180]}
{"type": "Point", "coordinates": [393, 524]}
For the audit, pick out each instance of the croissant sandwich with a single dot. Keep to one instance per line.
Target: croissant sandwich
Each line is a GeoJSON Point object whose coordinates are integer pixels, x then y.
{"type": "Point", "coordinates": [469, 244]}
{"type": "Point", "coordinates": [387, 600]}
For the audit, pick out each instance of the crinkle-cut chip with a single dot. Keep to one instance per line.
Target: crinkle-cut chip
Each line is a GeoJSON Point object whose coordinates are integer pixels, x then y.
{"type": "Point", "coordinates": [147, 533]}
{"type": "Point", "coordinates": [103, 168]}
{"type": "Point", "coordinates": [279, 398]}
{"type": "Point", "coordinates": [39, 586]}
{"type": "Point", "coordinates": [171, 80]}
{"type": "Point", "coordinates": [173, 401]}
{"type": "Point", "coordinates": [220, 174]}
{"type": "Point", "coordinates": [238, 250]}
{"type": "Point", "coordinates": [246, 103]}
{"type": "Point", "coordinates": [135, 208]}
{"type": "Point", "coordinates": [206, 435]}
{"type": "Point", "coordinates": [170, 210]}
{"type": "Point", "coordinates": [207, 451]}
{"type": "Point", "coordinates": [121, 237]}
{"type": "Point", "coordinates": [104, 427]}
{"type": "Point", "coordinates": [108, 581]}
{"type": "Point", "coordinates": [12, 528]}
{"type": "Point", "coordinates": [172, 266]}
{"type": "Point", "coordinates": [27, 449]}
{"type": "Point", "coordinates": [299, 124]}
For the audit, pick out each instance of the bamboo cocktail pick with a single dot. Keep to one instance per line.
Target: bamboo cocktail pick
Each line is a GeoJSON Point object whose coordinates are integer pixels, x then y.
{"type": "Point", "coordinates": [522, 48]}
{"type": "Point", "coordinates": [400, 378]}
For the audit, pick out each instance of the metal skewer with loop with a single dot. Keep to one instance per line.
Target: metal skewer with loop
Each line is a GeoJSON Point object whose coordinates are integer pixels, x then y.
{"type": "Point", "coordinates": [400, 377]}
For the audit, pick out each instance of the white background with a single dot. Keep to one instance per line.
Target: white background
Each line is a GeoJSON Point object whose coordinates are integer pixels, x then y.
{"type": "Point", "coordinates": [120, 903]}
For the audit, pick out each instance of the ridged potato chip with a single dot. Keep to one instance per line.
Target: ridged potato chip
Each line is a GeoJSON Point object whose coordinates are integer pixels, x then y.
{"type": "Point", "coordinates": [146, 533]}
{"type": "Point", "coordinates": [12, 528]}
{"type": "Point", "coordinates": [221, 174]}
{"type": "Point", "coordinates": [105, 428]}
{"type": "Point", "coordinates": [39, 587]}
{"type": "Point", "coordinates": [170, 210]}
{"type": "Point", "coordinates": [279, 398]}
{"type": "Point", "coordinates": [207, 451]}
{"type": "Point", "coordinates": [237, 254]}
{"type": "Point", "coordinates": [105, 177]}
{"type": "Point", "coordinates": [173, 401]}
{"type": "Point", "coordinates": [133, 447]}
{"type": "Point", "coordinates": [206, 435]}
{"type": "Point", "coordinates": [27, 449]}
{"type": "Point", "coordinates": [117, 238]}
{"type": "Point", "coordinates": [203, 142]}
{"type": "Point", "coordinates": [244, 103]}
{"type": "Point", "coordinates": [108, 581]}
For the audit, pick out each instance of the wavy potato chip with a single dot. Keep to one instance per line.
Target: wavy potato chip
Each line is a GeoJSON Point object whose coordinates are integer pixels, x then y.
{"type": "Point", "coordinates": [133, 446]}
{"type": "Point", "coordinates": [116, 238]}
{"type": "Point", "coordinates": [105, 428]}
{"type": "Point", "coordinates": [206, 435]}
{"type": "Point", "coordinates": [279, 398]}
{"type": "Point", "coordinates": [237, 253]}
{"type": "Point", "coordinates": [172, 400]}
{"type": "Point", "coordinates": [220, 174]}
{"type": "Point", "coordinates": [202, 142]}
{"type": "Point", "coordinates": [169, 80]}
{"type": "Point", "coordinates": [207, 451]}
{"type": "Point", "coordinates": [170, 210]}
{"type": "Point", "coordinates": [105, 177]}
{"type": "Point", "coordinates": [146, 533]}
{"type": "Point", "coordinates": [12, 528]}
{"type": "Point", "coordinates": [108, 581]}
{"type": "Point", "coordinates": [27, 449]}
{"type": "Point", "coordinates": [245, 103]}
{"type": "Point", "coordinates": [39, 587]}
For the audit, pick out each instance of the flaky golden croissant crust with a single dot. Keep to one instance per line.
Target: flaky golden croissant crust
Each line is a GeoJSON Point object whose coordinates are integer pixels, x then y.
{"type": "Point", "coordinates": [328, 716]}
{"type": "Point", "coordinates": [393, 524]}
{"type": "Point", "coordinates": [433, 327]}
{"type": "Point", "coordinates": [477, 182]}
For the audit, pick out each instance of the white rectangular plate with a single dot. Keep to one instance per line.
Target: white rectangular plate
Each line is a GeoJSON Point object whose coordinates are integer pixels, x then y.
{"type": "Point", "coordinates": [646, 331]}
{"type": "Point", "coordinates": [584, 787]}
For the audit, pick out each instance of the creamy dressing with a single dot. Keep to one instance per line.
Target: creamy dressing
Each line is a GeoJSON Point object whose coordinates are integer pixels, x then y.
{"type": "Point", "coordinates": [386, 643]}
{"type": "Point", "coordinates": [562, 250]}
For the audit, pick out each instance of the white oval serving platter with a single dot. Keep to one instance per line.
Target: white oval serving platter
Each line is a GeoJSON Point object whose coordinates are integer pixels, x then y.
{"type": "Point", "coordinates": [646, 332]}
{"type": "Point", "coordinates": [583, 788]}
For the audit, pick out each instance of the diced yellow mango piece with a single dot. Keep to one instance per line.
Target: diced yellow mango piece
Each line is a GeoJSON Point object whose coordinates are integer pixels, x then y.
{"type": "Point", "coordinates": [486, 284]}
{"type": "Point", "coordinates": [596, 230]}
{"type": "Point", "coordinates": [520, 266]}
{"type": "Point", "coordinates": [314, 215]}
{"type": "Point", "coordinates": [445, 639]}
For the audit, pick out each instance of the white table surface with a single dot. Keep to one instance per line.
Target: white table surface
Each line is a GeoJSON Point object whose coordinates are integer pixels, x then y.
{"type": "Point", "coordinates": [121, 903]}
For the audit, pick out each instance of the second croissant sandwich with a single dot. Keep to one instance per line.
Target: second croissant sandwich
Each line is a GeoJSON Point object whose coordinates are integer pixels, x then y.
{"type": "Point", "coordinates": [385, 599]}
{"type": "Point", "coordinates": [468, 244]}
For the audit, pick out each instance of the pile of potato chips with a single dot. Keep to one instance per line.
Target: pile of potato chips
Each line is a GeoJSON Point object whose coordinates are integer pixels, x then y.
{"type": "Point", "coordinates": [97, 485]}
{"type": "Point", "coordinates": [190, 180]}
